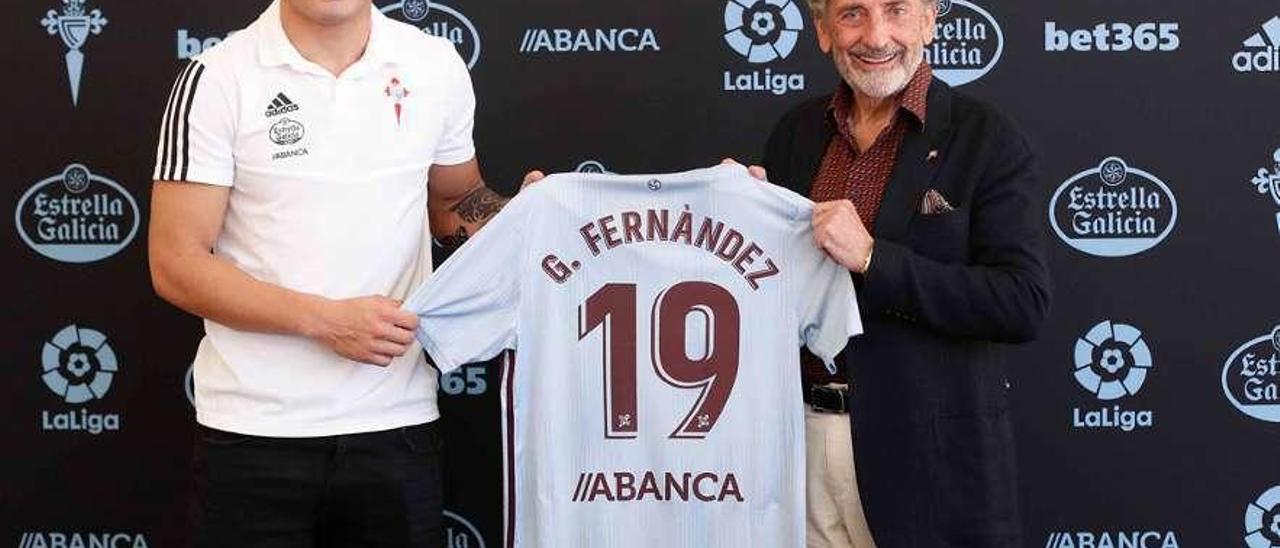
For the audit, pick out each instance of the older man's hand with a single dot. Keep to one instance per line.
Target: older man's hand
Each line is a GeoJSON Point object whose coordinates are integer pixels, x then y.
{"type": "Point", "coordinates": [755, 171]}
{"type": "Point", "coordinates": [838, 230]}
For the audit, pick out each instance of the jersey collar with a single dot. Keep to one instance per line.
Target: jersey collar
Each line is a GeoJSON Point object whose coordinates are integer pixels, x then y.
{"type": "Point", "coordinates": [275, 49]}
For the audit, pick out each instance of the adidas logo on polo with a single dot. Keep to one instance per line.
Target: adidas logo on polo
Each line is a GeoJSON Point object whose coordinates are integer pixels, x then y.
{"type": "Point", "coordinates": [1261, 51]}
{"type": "Point", "coordinates": [280, 105]}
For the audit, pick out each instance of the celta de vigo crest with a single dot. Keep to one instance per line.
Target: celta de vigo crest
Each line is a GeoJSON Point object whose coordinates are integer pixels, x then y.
{"type": "Point", "coordinates": [1268, 182]}
{"type": "Point", "coordinates": [74, 26]}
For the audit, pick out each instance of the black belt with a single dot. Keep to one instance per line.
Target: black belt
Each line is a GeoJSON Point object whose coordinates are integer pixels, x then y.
{"type": "Point", "coordinates": [827, 399]}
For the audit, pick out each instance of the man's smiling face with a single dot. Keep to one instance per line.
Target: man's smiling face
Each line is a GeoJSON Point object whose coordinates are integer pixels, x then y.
{"type": "Point", "coordinates": [876, 45]}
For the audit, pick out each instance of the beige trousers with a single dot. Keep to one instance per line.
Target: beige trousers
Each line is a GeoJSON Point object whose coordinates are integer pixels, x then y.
{"type": "Point", "coordinates": [834, 517]}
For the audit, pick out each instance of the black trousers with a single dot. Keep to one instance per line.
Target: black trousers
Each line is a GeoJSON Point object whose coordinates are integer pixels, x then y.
{"type": "Point", "coordinates": [360, 490]}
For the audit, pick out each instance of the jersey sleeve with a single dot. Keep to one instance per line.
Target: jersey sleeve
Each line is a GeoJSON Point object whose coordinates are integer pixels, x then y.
{"type": "Point", "coordinates": [468, 309]}
{"type": "Point", "coordinates": [197, 132]}
{"type": "Point", "coordinates": [828, 306]}
{"type": "Point", "coordinates": [456, 145]}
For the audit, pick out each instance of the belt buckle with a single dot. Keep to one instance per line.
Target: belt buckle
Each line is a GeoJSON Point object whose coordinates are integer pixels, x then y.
{"type": "Point", "coordinates": [828, 399]}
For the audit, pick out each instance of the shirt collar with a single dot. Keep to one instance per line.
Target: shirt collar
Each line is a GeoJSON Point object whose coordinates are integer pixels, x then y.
{"type": "Point", "coordinates": [275, 49]}
{"type": "Point", "coordinates": [913, 99]}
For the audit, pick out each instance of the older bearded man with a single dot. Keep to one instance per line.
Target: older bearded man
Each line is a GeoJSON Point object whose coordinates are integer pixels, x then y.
{"type": "Point", "coordinates": [930, 199]}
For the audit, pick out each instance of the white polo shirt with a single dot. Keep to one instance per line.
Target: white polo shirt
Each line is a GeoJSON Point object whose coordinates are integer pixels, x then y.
{"type": "Point", "coordinates": [328, 180]}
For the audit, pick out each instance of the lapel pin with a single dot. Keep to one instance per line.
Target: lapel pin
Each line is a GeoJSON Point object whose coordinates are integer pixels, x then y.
{"type": "Point", "coordinates": [933, 155]}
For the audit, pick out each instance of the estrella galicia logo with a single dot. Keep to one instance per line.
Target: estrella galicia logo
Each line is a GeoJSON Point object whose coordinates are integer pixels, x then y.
{"type": "Point", "coordinates": [1262, 520]}
{"type": "Point", "coordinates": [1261, 51]}
{"type": "Point", "coordinates": [287, 131]}
{"type": "Point", "coordinates": [1268, 182]}
{"type": "Point", "coordinates": [1112, 361]}
{"type": "Point", "coordinates": [1251, 377]}
{"type": "Point", "coordinates": [78, 366]}
{"type": "Point", "coordinates": [460, 533]}
{"type": "Point", "coordinates": [763, 31]}
{"type": "Point", "coordinates": [77, 216]}
{"type": "Point", "coordinates": [1113, 210]}
{"type": "Point", "coordinates": [967, 44]}
{"type": "Point", "coordinates": [440, 20]}
{"type": "Point", "coordinates": [74, 26]}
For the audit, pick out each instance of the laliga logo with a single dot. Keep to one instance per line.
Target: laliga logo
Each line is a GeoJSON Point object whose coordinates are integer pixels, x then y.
{"type": "Point", "coordinates": [763, 31]}
{"type": "Point", "coordinates": [1111, 362]}
{"type": "Point", "coordinates": [78, 367]}
{"type": "Point", "coordinates": [440, 20]}
{"type": "Point", "coordinates": [460, 533]}
{"type": "Point", "coordinates": [78, 364]}
{"type": "Point", "coordinates": [77, 216]}
{"type": "Point", "coordinates": [967, 44]}
{"type": "Point", "coordinates": [1251, 377]}
{"type": "Point", "coordinates": [74, 27]}
{"type": "Point", "coordinates": [1270, 183]}
{"type": "Point", "coordinates": [1113, 210]}
{"type": "Point", "coordinates": [1262, 520]}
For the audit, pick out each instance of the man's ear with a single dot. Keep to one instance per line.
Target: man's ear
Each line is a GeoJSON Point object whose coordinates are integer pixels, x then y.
{"type": "Point", "coordinates": [930, 22]}
{"type": "Point", "coordinates": [824, 38]}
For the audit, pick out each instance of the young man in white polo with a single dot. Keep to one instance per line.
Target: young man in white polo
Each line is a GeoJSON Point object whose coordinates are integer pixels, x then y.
{"type": "Point", "coordinates": [298, 164]}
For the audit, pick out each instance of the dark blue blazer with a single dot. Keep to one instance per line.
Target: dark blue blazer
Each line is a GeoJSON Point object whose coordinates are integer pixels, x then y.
{"type": "Point", "coordinates": [944, 295]}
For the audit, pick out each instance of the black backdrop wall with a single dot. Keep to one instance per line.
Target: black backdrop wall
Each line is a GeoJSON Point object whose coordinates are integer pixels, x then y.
{"type": "Point", "coordinates": [1146, 413]}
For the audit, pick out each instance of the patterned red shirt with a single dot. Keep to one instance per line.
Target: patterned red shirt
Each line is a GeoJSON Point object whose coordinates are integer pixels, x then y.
{"type": "Point", "coordinates": [861, 176]}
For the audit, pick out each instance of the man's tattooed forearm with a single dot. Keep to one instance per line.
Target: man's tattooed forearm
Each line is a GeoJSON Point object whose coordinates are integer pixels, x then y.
{"type": "Point", "coordinates": [479, 205]}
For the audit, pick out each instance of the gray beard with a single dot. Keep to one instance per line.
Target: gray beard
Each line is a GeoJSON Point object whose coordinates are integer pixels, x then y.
{"type": "Point", "coordinates": [881, 85]}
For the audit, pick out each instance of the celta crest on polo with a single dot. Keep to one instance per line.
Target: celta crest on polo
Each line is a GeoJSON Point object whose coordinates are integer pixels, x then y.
{"type": "Point", "coordinates": [1262, 520]}
{"type": "Point", "coordinates": [1251, 377]}
{"type": "Point", "coordinates": [1112, 361]}
{"type": "Point", "coordinates": [440, 20]}
{"type": "Point", "coordinates": [967, 43]}
{"type": "Point", "coordinates": [763, 32]}
{"type": "Point", "coordinates": [1113, 210]}
{"type": "Point", "coordinates": [77, 216]}
{"type": "Point", "coordinates": [1267, 181]}
{"type": "Point", "coordinates": [74, 26]}
{"type": "Point", "coordinates": [1260, 51]}
{"type": "Point", "coordinates": [78, 365]}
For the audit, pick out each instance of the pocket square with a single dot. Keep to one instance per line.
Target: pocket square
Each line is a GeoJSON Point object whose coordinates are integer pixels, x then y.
{"type": "Point", "coordinates": [933, 203]}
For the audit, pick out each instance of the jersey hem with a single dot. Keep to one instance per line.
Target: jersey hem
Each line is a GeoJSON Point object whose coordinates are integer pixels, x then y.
{"type": "Point", "coordinates": [336, 428]}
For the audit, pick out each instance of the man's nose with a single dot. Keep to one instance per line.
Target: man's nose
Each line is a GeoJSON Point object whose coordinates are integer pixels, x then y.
{"type": "Point", "coordinates": [877, 33]}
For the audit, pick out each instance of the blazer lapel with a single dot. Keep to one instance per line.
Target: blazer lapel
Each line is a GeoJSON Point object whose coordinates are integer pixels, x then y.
{"type": "Point", "coordinates": [917, 164]}
{"type": "Point", "coordinates": [812, 137]}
